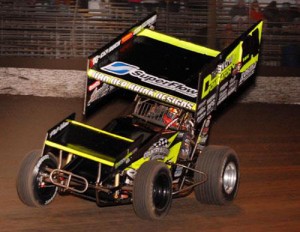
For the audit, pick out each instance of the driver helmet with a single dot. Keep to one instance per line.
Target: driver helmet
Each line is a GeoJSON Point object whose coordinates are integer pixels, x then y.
{"type": "Point", "coordinates": [170, 115]}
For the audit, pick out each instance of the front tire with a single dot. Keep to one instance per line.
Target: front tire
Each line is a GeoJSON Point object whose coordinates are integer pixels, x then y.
{"type": "Point", "coordinates": [31, 187]}
{"type": "Point", "coordinates": [152, 190]}
{"type": "Point", "coordinates": [221, 165]}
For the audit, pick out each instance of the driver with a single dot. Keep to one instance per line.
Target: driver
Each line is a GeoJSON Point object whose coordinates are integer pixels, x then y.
{"type": "Point", "coordinates": [171, 114]}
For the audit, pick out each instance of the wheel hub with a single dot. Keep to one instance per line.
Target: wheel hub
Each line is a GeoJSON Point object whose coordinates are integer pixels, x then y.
{"type": "Point", "coordinates": [229, 177]}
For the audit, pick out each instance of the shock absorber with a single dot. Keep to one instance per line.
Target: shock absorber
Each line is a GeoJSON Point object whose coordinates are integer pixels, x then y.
{"type": "Point", "coordinates": [185, 147]}
{"type": "Point", "coordinates": [203, 134]}
{"type": "Point", "coordinates": [117, 182]}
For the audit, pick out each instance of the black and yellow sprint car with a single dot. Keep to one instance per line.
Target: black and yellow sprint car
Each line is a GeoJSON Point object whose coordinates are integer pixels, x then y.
{"type": "Point", "coordinates": [159, 151]}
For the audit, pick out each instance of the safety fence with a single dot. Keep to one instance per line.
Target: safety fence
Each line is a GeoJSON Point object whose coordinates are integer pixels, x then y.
{"type": "Point", "coordinates": [60, 30]}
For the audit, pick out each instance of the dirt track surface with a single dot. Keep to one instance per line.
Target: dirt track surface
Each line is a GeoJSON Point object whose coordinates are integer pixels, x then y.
{"type": "Point", "coordinates": [266, 137]}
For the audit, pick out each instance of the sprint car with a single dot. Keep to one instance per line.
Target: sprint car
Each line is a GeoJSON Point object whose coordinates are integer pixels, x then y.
{"type": "Point", "coordinates": [158, 151]}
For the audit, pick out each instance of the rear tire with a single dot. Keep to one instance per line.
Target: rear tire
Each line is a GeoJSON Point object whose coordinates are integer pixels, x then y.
{"type": "Point", "coordinates": [152, 190]}
{"type": "Point", "coordinates": [31, 188]}
{"type": "Point", "coordinates": [221, 165]}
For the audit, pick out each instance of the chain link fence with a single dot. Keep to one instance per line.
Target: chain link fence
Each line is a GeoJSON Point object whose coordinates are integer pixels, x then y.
{"type": "Point", "coordinates": [67, 29]}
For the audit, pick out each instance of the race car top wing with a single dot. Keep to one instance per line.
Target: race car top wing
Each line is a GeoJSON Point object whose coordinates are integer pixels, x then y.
{"type": "Point", "coordinates": [167, 69]}
{"type": "Point", "coordinates": [149, 63]}
{"type": "Point", "coordinates": [234, 66]}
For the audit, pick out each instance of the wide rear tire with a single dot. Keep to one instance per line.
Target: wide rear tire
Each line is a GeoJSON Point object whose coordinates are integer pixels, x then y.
{"type": "Point", "coordinates": [31, 187]}
{"type": "Point", "coordinates": [152, 190]}
{"type": "Point", "coordinates": [221, 165]}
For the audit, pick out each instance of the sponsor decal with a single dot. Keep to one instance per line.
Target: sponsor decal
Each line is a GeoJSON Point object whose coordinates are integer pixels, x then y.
{"type": "Point", "coordinates": [226, 88]}
{"type": "Point", "coordinates": [108, 50]}
{"type": "Point", "coordinates": [221, 72]}
{"type": "Point", "coordinates": [58, 128]}
{"type": "Point", "coordinates": [115, 81]}
{"type": "Point", "coordinates": [232, 85]}
{"type": "Point", "coordinates": [221, 67]}
{"type": "Point", "coordinates": [121, 68]}
{"type": "Point", "coordinates": [158, 150]}
{"type": "Point", "coordinates": [147, 23]}
{"type": "Point", "coordinates": [211, 103]}
{"type": "Point", "coordinates": [41, 160]}
{"type": "Point", "coordinates": [223, 93]}
{"type": "Point", "coordinates": [247, 73]}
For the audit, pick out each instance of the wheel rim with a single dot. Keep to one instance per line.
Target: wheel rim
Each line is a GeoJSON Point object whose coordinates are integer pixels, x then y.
{"type": "Point", "coordinates": [161, 191]}
{"type": "Point", "coordinates": [229, 177]}
{"type": "Point", "coordinates": [45, 192]}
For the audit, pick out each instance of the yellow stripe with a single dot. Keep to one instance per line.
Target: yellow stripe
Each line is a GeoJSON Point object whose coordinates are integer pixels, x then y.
{"type": "Point", "coordinates": [174, 152]}
{"type": "Point", "coordinates": [75, 152]}
{"type": "Point", "coordinates": [153, 93]}
{"type": "Point", "coordinates": [100, 131]}
{"type": "Point", "coordinates": [172, 156]}
{"type": "Point", "coordinates": [178, 43]}
{"type": "Point", "coordinates": [170, 140]}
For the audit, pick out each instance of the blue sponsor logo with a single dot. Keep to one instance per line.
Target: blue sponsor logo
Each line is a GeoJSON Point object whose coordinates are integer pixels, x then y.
{"type": "Point", "coordinates": [119, 68]}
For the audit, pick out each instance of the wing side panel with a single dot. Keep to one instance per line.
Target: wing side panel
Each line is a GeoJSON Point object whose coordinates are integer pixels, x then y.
{"type": "Point", "coordinates": [233, 67]}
